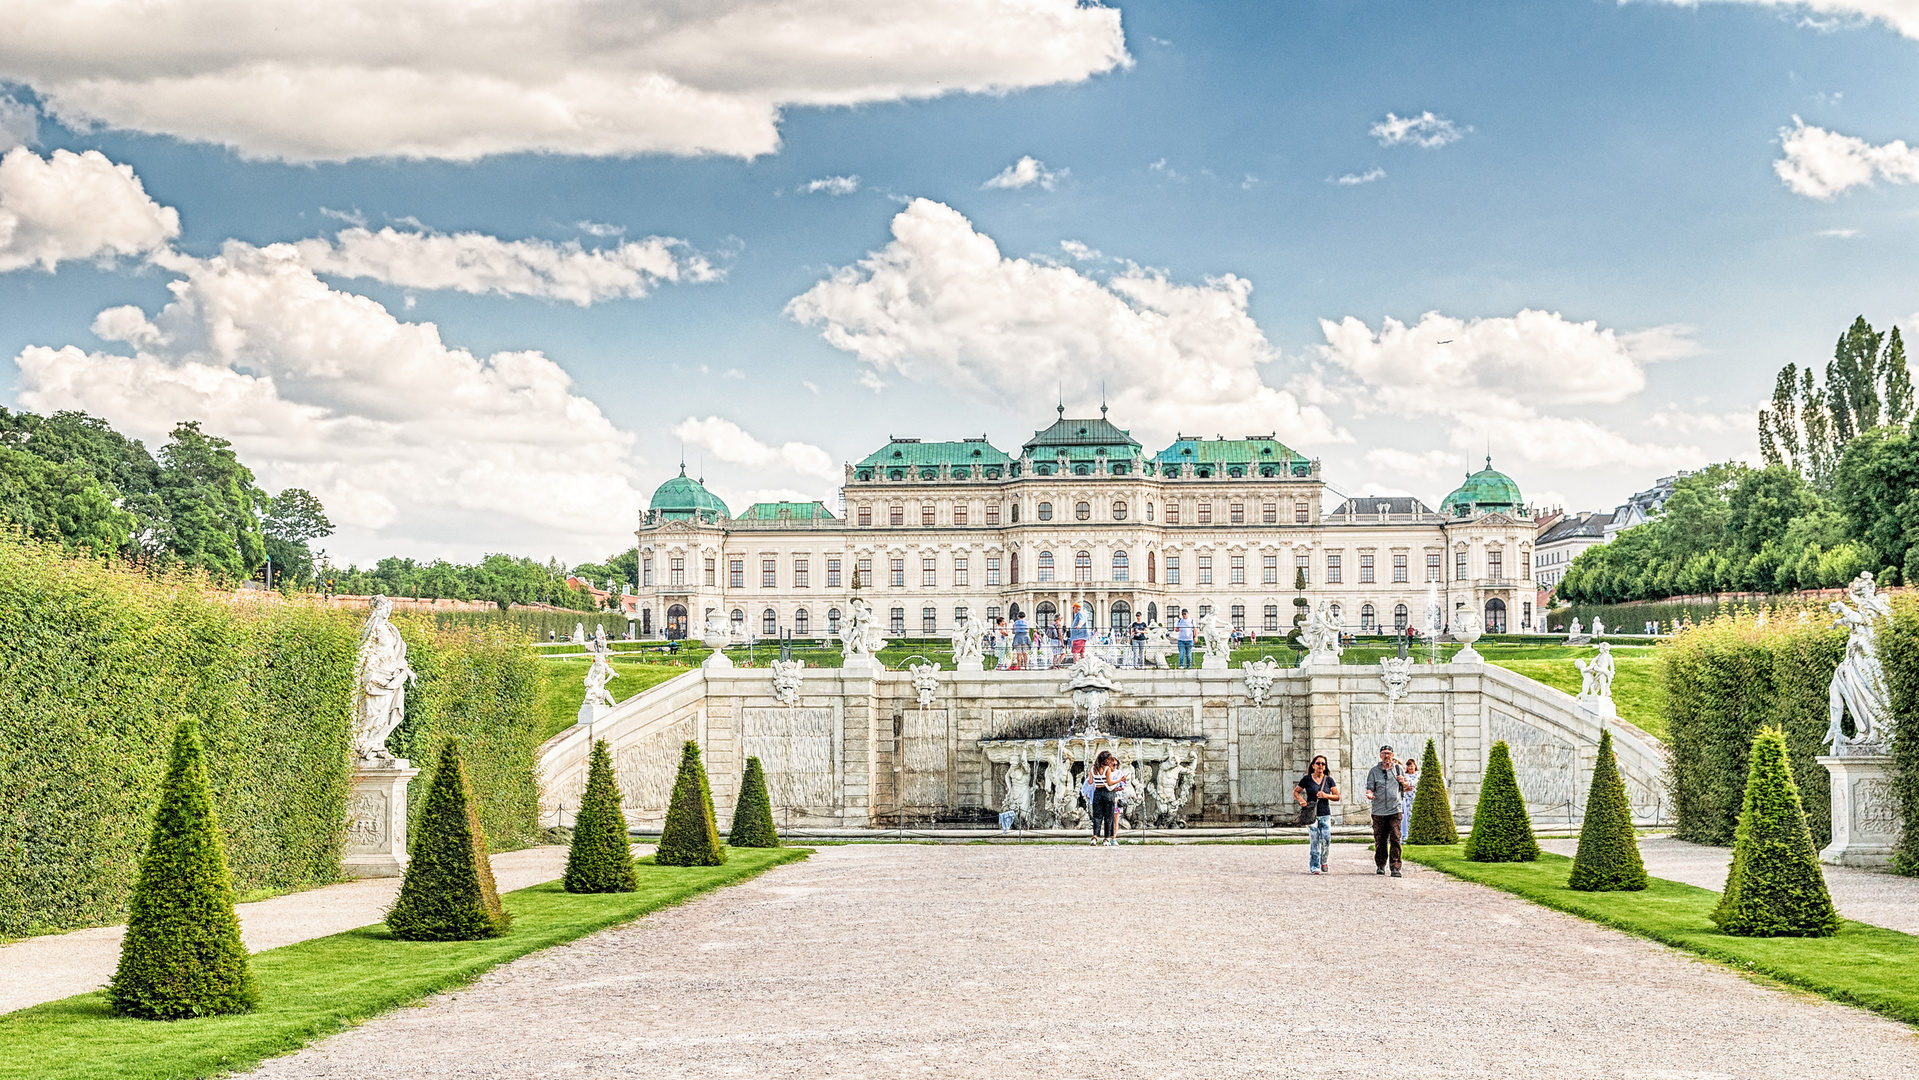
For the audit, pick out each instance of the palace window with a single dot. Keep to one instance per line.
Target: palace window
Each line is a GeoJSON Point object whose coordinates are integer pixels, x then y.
{"type": "Point", "coordinates": [929, 515]}
{"type": "Point", "coordinates": [1302, 568]}
{"type": "Point", "coordinates": [1239, 513]}
{"type": "Point", "coordinates": [1368, 620]}
{"type": "Point", "coordinates": [1119, 510]}
{"type": "Point", "coordinates": [959, 513]}
{"type": "Point", "coordinates": [1495, 564]}
{"type": "Point", "coordinates": [1365, 569]}
{"type": "Point", "coordinates": [832, 620]}
{"type": "Point", "coordinates": [896, 515]}
{"type": "Point", "coordinates": [1046, 511]}
{"type": "Point", "coordinates": [866, 517]}
{"type": "Point", "coordinates": [1205, 569]}
{"type": "Point", "coordinates": [1525, 566]}
{"type": "Point", "coordinates": [1205, 610]}
{"type": "Point", "coordinates": [1399, 568]}
{"type": "Point", "coordinates": [863, 574]}
{"type": "Point", "coordinates": [1269, 569]}
{"type": "Point", "coordinates": [739, 622]}
{"type": "Point", "coordinates": [832, 573]}
{"type": "Point", "coordinates": [992, 570]}
{"type": "Point", "coordinates": [896, 620]}
{"type": "Point", "coordinates": [1402, 618]}
{"type": "Point", "coordinates": [992, 513]}
{"type": "Point", "coordinates": [959, 614]}
{"type": "Point", "coordinates": [1459, 565]}
{"type": "Point", "coordinates": [770, 623]}
{"type": "Point", "coordinates": [1172, 513]}
{"type": "Point", "coordinates": [896, 572]}
{"type": "Point", "coordinates": [676, 571]}
{"type": "Point", "coordinates": [1119, 566]}
{"type": "Point", "coordinates": [1016, 513]}
{"type": "Point", "coordinates": [1083, 566]}
{"type": "Point", "coordinates": [1172, 569]}
{"type": "Point", "coordinates": [1045, 566]}
{"type": "Point", "coordinates": [929, 620]}
{"type": "Point", "coordinates": [1239, 617]}
{"type": "Point", "coordinates": [769, 573]}
{"type": "Point", "coordinates": [929, 572]}
{"type": "Point", "coordinates": [993, 613]}
{"type": "Point", "coordinates": [1082, 511]}
{"type": "Point", "coordinates": [1300, 513]}
{"type": "Point", "coordinates": [1269, 622]}
{"type": "Point", "coordinates": [1152, 568]}
{"type": "Point", "coordinates": [1432, 566]}
{"type": "Point", "coordinates": [646, 573]}
{"type": "Point", "coordinates": [736, 573]}
{"type": "Point", "coordinates": [1335, 573]}
{"type": "Point", "coordinates": [1206, 513]}
{"type": "Point", "coordinates": [802, 623]}
{"type": "Point", "coordinates": [1237, 565]}
{"type": "Point", "coordinates": [1269, 514]}
{"type": "Point", "coordinates": [960, 575]}
{"type": "Point", "coordinates": [1149, 511]}
{"type": "Point", "coordinates": [802, 573]}
{"type": "Point", "coordinates": [1339, 617]}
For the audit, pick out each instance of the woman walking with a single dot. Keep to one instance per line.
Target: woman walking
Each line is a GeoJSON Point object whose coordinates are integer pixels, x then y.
{"type": "Point", "coordinates": [1318, 790]}
{"type": "Point", "coordinates": [1409, 783]}
{"type": "Point", "coordinates": [1108, 781]}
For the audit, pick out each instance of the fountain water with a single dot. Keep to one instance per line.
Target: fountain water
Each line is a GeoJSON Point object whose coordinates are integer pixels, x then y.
{"type": "Point", "coordinates": [1435, 623]}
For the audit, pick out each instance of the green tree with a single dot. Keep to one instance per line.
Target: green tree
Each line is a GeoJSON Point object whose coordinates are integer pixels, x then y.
{"type": "Point", "coordinates": [182, 955]}
{"type": "Point", "coordinates": [1852, 381]}
{"type": "Point", "coordinates": [1877, 489]}
{"type": "Point", "coordinates": [1608, 857]}
{"type": "Point", "coordinates": [61, 503]}
{"type": "Point", "coordinates": [212, 504]}
{"type": "Point", "coordinates": [1763, 504]}
{"type": "Point", "coordinates": [1898, 380]}
{"type": "Point", "coordinates": [1432, 804]}
{"type": "Point", "coordinates": [293, 519]}
{"type": "Point", "coordinates": [1775, 887]}
{"type": "Point", "coordinates": [1502, 831]}
{"type": "Point", "coordinates": [753, 811]}
{"type": "Point", "coordinates": [690, 837]}
{"type": "Point", "coordinates": [448, 893]}
{"type": "Point", "coordinates": [600, 859]}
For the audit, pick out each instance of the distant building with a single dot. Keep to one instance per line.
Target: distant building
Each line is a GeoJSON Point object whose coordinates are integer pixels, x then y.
{"type": "Point", "coordinates": [1644, 505]}
{"type": "Point", "coordinates": [1562, 539]}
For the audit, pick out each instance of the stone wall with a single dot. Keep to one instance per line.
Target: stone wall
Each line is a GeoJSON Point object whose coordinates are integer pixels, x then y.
{"type": "Point", "coordinates": [860, 750]}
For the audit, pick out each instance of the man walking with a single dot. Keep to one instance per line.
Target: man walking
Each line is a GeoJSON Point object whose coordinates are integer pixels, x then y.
{"type": "Point", "coordinates": [1383, 787]}
{"type": "Point", "coordinates": [1184, 626]}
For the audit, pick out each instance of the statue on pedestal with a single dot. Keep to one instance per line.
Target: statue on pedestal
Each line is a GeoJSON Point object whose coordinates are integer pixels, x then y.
{"type": "Point", "coordinates": [1218, 642]}
{"type": "Point", "coordinates": [859, 638]}
{"type": "Point", "coordinates": [1320, 636]}
{"type": "Point", "coordinates": [1859, 684]}
{"type": "Point", "coordinates": [598, 674]}
{"type": "Point", "coordinates": [1595, 680]}
{"type": "Point", "coordinates": [968, 651]}
{"type": "Point", "coordinates": [380, 678]}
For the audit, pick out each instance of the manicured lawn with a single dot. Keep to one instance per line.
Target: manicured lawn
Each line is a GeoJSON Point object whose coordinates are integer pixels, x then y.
{"type": "Point", "coordinates": [563, 688]}
{"type": "Point", "coordinates": [318, 987]}
{"type": "Point", "coordinates": [1636, 689]}
{"type": "Point", "coordinates": [1861, 965]}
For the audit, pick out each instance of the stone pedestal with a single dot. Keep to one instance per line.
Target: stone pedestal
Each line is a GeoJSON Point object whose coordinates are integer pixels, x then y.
{"type": "Point", "coordinates": [862, 666]}
{"type": "Point", "coordinates": [1215, 663]}
{"type": "Point", "coordinates": [1865, 816]}
{"type": "Point", "coordinates": [591, 713]}
{"type": "Point", "coordinates": [970, 665]}
{"type": "Point", "coordinates": [719, 661]}
{"type": "Point", "coordinates": [376, 820]}
{"type": "Point", "coordinates": [1467, 655]}
{"type": "Point", "coordinates": [1598, 706]}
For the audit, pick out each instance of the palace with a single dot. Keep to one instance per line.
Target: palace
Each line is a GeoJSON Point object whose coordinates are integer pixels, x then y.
{"type": "Point", "coordinates": [934, 530]}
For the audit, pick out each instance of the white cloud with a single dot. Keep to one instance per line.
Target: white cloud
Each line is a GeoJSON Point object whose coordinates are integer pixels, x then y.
{"type": "Point", "coordinates": [1424, 130]}
{"type": "Point", "coordinates": [729, 442]}
{"type": "Point", "coordinates": [833, 185]}
{"type": "Point", "coordinates": [478, 263]}
{"type": "Point", "coordinates": [590, 228]}
{"type": "Point", "coordinates": [75, 206]}
{"type": "Point", "coordinates": [1026, 172]}
{"type": "Point", "coordinates": [1820, 164]}
{"type": "Point", "coordinates": [19, 124]}
{"type": "Point", "coordinates": [1901, 15]}
{"type": "Point", "coordinates": [1498, 373]}
{"type": "Point", "coordinates": [1367, 177]}
{"type": "Point", "coordinates": [1676, 418]}
{"type": "Point", "coordinates": [413, 445]}
{"type": "Point", "coordinates": [940, 303]}
{"type": "Point", "coordinates": [1839, 234]}
{"type": "Point", "coordinates": [1080, 252]}
{"type": "Point", "coordinates": [1426, 463]}
{"type": "Point", "coordinates": [333, 80]}
{"type": "Point", "coordinates": [811, 385]}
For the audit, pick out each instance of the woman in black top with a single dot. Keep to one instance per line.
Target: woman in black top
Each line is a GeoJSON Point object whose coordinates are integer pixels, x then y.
{"type": "Point", "coordinates": [1318, 786]}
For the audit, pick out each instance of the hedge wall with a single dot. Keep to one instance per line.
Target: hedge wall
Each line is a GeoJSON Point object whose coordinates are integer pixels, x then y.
{"type": "Point", "coordinates": [98, 664]}
{"type": "Point", "coordinates": [1899, 652]}
{"type": "Point", "coordinates": [1727, 678]}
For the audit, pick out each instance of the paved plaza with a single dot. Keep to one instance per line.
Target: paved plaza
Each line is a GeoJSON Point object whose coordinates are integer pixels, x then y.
{"type": "Point", "coordinates": [1068, 961]}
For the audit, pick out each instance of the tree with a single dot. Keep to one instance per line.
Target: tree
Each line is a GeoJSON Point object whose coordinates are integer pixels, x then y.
{"type": "Point", "coordinates": [61, 504]}
{"type": "Point", "coordinates": [293, 519]}
{"type": "Point", "coordinates": [689, 837]}
{"type": "Point", "coordinates": [601, 857]}
{"type": "Point", "coordinates": [182, 955]}
{"type": "Point", "coordinates": [1502, 831]}
{"type": "Point", "coordinates": [753, 812]}
{"type": "Point", "coordinates": [126, 472]}
{"type": "Point", "coordinates": [1432, 804]}
{"type": "Point", "coordinates": [448, 893]}
{"type": "Point", "coordinates": [212, 504]}
{"type": "Point", "coordinates": [1608, 857]}
{"type": "Point", "coordinates": [1809, 426]}
{"type": "Point", "coordinates": [1877, 489]}
{"type": "Point", "coordinates": [1775, 887]}
{"type": "Point", "coordinates": [1763, 504]}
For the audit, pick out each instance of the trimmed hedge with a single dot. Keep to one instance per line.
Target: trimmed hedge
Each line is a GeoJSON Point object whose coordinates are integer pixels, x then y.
{"type": "Point", "coordinates": [182, 954]}
{"type": "Point", "coordinates": [601, 857]}
{"type": "Point", "coordinates": [1432, 804]}
{"type": "Point", "coordinates": [98, 663]}
{"type": "Point", "coordinates": [689, 837]}
{"type": "Point", "coordinates": [448, 893]}
{"type": "Point", "coordinates": [1608, 858]}
{"type": "Point", "coordinates": [1502, 831]}
{"type": "Point", "coordinates": [1727, 679]}
{"type": "Point", "coordinates": [1775, 887]}
{"type": "Point", "coordinates": [1899, 654]}
{"type": "Point", "coordinates": [753, 811]}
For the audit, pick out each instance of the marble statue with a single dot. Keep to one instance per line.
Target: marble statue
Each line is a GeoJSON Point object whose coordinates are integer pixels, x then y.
{"type": "Point", "coordinates": [860, 638]}
{"type": "Point", "coordinates": [1218, 643]}
{"type": "Point", "coordinates": [926, 681]}
{"type": "Point", "coordinates": [719, 631]}
{"type": "Point", "coordinates": [786, 681]}
{"type": "Point", "coordinates": [969, 652]}
{"type": "Point", "coordinates": [1019, 789]}
{"type": "Point", "coordinates": [1396, 674]}
{"type": "Point", "coordinates": [1090, 680]}
{"type": "Point", "coordinates": [579, 634]}
{"type": "Point", "coordinates": [1159, 642]}
{"type": "Point", "coordinates": [1573, 630]}
{"type": "Point", "coordinates": [1062, 790]}
{"type": "Point", "coordinates": [1320, 636]}
{"type": "Point", "coordinates": [1599, 627]}
{"type": "Point", "coordinates": [1173, 785]}
{"type": "Point", "coordinates": [380, 677]}
{"type": "Point", "coordinates": [1259, 678]}
{"type": "Point", "coordinates": [1859, 684]}
{"type": "Point", "coordinates": [598, 674]}
{"type": "Point", "coordinates": [1596, 675]}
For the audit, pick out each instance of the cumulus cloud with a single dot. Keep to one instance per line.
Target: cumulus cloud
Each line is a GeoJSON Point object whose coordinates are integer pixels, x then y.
{"type": "Point", "coordinates": [1424, 130]}
{"type": "Point", "coordinates": [1080, 252]}
{"type": "Point", "coordinates": [478, 263]}
{"type": "Point", "coordinates": [1820, 164]}
{"type": "Point", "coordinates": [1424, 463]}
{"type": "Point", "coordinates": [19, 124]}
{"type": "Point", "coordinates": [832, 185]}
{"type": "Point", "coordinates": [412, 444]}
{"type": "Point", "coordinates": [729, 442]}
{"type": "Point", "coordinates": [334, 80]}
{"type": "Point", "coordinates": [1900, 15]}
{"type": "Point", "coordinates": [1505, 371]}
{"type": "Point", "coordinates": [940, 303]}
{"type": "Point", "coordinates": [1026, 172]}
{"type": "Point", "coordinates": [1367, 177]}
{"type": "Point", "coordinates": [75, 206]}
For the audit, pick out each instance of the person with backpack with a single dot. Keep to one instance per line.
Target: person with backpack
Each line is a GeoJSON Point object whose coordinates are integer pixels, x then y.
{"type": "Point", "coordinates": [1107, 783]}
{"type": "Point", "coordinates": [1316, 793]}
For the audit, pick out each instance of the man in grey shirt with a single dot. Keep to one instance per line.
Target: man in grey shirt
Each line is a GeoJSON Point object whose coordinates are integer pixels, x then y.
{"type": "Point", "coordinates": [1384, 785]}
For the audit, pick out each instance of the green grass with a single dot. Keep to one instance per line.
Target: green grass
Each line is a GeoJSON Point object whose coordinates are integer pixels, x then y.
{"type": "Point", "coordinates": [563, 688]}
{"type": "Point", "coordinates": [1862, 965]}
{"type": "Point", "coordinates": [1636, 688]}
{"type": "Point", "coordinates": [318, 987]}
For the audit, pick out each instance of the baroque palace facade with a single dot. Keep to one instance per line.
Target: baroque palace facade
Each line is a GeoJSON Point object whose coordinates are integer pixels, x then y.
{"type": "Point", "coordinates": [934, 530]}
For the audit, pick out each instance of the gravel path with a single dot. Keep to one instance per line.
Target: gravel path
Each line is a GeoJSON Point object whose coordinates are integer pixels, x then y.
{"type": "Point", "coordinates": [1880, 899]}
{"type": "Point", "coordinates": [1162, 962]}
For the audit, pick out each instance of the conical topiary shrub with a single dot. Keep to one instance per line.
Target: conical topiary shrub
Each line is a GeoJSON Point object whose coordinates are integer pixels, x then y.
{"type": "Point", "coordinates": [182, 955]}
{"type": "Point", "coordinates": [448, 892]}
{"type": "Point", "coordinates": [753, 813]}
{"type": "Point", "coordinates": [1432, 804]}
{"type": "Point", "coordinates": [1775, 888]}
{"type": "Point", "coordinates": [1608, 858]}
{"type": "Point", "coordinates": [689, 837]}
{"type": "Point", "coordinates": [1501, 830]}
{"type": "Point", "coordinates": [601, 858]}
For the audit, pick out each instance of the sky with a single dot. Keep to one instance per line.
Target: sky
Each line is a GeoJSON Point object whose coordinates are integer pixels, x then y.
{"type": "Point", "coordinates": [478, 275]}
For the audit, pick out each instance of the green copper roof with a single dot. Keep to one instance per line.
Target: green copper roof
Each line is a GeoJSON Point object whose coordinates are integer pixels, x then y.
{"type": "Point", "coordinates": [684, 496]}
{"type": "Point", "coordinates": [1483, 492]}
{"type": "Point", "coordinates": [1255, 455]}
{"type": "Point", "coordinates": [910, 452]}
{"type": "Point", "coordinates": [1082, 435]}
{"type": "Point", "coordinates": [787, 511]}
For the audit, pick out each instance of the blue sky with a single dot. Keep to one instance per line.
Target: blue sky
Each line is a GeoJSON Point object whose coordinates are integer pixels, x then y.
{"type": "Point", "coordinates": [1594, 163]}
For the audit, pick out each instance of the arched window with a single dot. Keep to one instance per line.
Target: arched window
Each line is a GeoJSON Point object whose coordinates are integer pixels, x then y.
{"type": "Point", "coordinates": [676, 622]}
{"type": "Point", "coordinates": [1045, 566]}
{"type": "Point", "coordinates": [832, 620]}
{"type": "Point", "coordinates": [769, 623]}
{"type": "Point", "coordinates": [1152, 568]}
{"type": "Point", "coordinates": [1402, 618]}
{"type": "Point", "coordinates": [1119, 510]}
{"type": "Point", "coordinates": [1083, 511]}
{"type": "Point", "coordinates": [1239, 617]}
{"type": "Point", "coordinates": [1495, 616]}
{"type": "Point", "coordinates": [1083, 566]}
{"type": "Point", "coordinates": [1044, 612]}
{"type": "Point", "coordinates": [1046, 511]}
{"type": "Point", "coordinates": [1120, 567]}
{"type": "Point", "coordinates": [1122, 617]}
{"type": "Point", "coordinates": [1368, 621]}
{"type": "Point", "coordinates": [1339, 616]}
{"type": "Point", "coordinates": [896, 620]}
{"type": "Point", "coordinates": [1152, 609]}
{"type": "Point", "coordinates": [802, 623]}
{"type": "Point", "coordinates": [739, 620]}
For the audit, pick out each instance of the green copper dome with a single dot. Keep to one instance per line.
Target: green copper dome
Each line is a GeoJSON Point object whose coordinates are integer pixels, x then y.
{"type": "Point", "coordinates": [685, 497]}
{"type": "Point", "coordinates": [1484, 492]}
